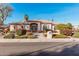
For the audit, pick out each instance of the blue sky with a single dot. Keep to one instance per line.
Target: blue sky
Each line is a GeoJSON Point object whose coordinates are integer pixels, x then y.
{"type": "Point", "coordinates": [59, 12]}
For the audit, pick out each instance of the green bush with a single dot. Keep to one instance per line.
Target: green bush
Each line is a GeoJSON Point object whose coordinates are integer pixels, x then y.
{"type": "Point", "coordinates": [9, 36]}
{"type": "Point", "coordinates": [11, 32]}
{"type": "Point", "coordinates": [59, 36]}
{"type": "Point", "coordinates": [76, 35]}
{"type": "Point", "coordinates": [19, 32]}
{"type": "Point", "coordinates": [28, 35]}
{"type": "Point", "coordinates": [67, 32]}
{"type": "Point", "coordinates": [25, 37]}
{"type": "Point", "coordinates": [23, 32]}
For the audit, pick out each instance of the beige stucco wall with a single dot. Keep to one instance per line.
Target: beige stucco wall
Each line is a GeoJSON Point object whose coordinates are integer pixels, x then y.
{"type": "Point", "coordinates": [53, 27]}
{"type": "Point", "coordinates": [12, 28]}
{"type": "Point", "coordinates": [27, 27]}
{"type": "Point", "coordinates": [39, 28]}
{"type": "Point", "coordinates": [42, 27]}
{"type": "Point", "coordinates": [49, 26]}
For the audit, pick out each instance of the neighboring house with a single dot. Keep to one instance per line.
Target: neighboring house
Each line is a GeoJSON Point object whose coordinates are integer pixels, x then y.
{"type": "Point", "coordinates": [32, 25]}
{"type": "Point", "coordinates": [76, 28]}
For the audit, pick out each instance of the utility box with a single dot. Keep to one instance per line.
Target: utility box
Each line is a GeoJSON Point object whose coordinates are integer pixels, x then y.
{"type": "Point", "coordinates": [49, 34]}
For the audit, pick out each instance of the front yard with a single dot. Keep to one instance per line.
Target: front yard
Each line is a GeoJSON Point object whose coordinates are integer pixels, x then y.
{"type": "Point", "coordinates": [22, 34]}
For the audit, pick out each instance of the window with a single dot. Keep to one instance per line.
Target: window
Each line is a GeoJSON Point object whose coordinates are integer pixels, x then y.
{"type": "Point", "coordinates": [27, 27]}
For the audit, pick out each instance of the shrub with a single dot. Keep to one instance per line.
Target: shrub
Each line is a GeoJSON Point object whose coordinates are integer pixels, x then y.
{"type": "Point", "coordinates": [11, 32]}
{"type": "Point", "coordinates": [23, 32]}
{"type": "Point", "coordinates": [6, 30]}
{"type": "Point", "coordinates": [30, 36]}
{"type": "Point", "coordinates": [67, 32]}
{"type": "Point", "coordinates": [76, 35]}
{"type": "Point", "coordinates": [19, 32]}
{"type": "Point", "coordinates": [29, 33]}
{"type": "Point", "coordinates": [25, 37]}
{"type": "Point", "coordinates": [59, 36]}
{"type": "Point", "coordinates": [9, 36]}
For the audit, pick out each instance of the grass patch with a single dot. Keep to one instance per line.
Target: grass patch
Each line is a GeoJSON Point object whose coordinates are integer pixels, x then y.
{"type": "Point", "coordinates": [59, 36]}
{"type": "Point", "coordinates": [76, 35]}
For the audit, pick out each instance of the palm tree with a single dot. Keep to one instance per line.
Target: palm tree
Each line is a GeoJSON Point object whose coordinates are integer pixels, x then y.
{"type": "Point", "coordinates": [52, 20]}
{"type": "Point", "coordinates": [26, 17]}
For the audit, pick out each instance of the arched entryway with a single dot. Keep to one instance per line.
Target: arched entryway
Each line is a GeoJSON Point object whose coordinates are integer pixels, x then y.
{"type": "Point", "coordinates": [34, 27]}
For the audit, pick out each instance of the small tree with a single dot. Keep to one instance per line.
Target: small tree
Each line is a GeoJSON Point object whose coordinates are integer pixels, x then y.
{"type": "Point", "coordinates": [5, 11]}
{"type": "Point", "coordinates": [26, 17]}
{"type": "Point", "coordinates": [65, 29]}
{"type": "Point", "coordinates": [69, 25]}
{"type": "Point", "coordinates": [61, 26]}
{"type": "Point", "coordinates": [67, 32]}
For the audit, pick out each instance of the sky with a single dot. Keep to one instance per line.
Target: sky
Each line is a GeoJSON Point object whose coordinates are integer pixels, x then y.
{"type": "Point", "coordinates": [59, 12]}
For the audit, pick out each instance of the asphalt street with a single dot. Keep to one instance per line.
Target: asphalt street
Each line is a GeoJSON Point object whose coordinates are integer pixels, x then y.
{"type": "Point", "coordinates": [39, 49]}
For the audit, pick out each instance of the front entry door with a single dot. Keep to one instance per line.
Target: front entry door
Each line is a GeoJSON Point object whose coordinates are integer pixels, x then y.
{"type": "Point", "coordinates": [34, 27]}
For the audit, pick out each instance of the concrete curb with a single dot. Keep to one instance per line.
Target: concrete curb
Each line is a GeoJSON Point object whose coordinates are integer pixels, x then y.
{"type": "Point", "coordinates": [40, 40]}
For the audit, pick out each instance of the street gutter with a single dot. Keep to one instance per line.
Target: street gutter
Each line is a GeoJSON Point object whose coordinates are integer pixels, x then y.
{"type": "Point", "coordinates": [41, 40]}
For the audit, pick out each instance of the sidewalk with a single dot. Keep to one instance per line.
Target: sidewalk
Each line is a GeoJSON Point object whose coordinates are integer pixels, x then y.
{"type": "Point", "coordinates": [41, 40]}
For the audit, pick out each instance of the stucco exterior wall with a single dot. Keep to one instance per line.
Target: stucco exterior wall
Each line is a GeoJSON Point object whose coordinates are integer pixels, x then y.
{"type": "Point", "coordinates": [12, 28]}
{"type": "Point", "coordinates": [49, 26]}
{"type": "Point", "coordinates": [27, 27]}
{"type": "Point", "coordinates": [53, 27]}
{"type": "Point", "coordinates": [40, 26]}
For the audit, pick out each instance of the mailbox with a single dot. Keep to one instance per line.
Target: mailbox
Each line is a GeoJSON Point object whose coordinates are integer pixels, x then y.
{"type": "Point", "coordinates": [49, 34]}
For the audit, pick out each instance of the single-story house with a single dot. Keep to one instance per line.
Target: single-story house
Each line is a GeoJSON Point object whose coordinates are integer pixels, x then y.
{"type": "Point", "coordinates": [33, 25]}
